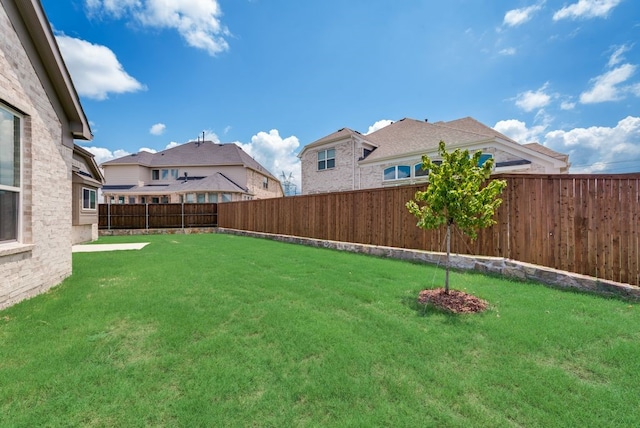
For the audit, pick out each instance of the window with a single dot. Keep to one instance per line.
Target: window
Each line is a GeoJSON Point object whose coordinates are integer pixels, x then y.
{"type": "Point", "coordinates": [212, 197]}
{"type": "Point", "coordinates": [132, 199]}
{"type": "Point", "coordinates": [226, 197]}
{"type": "Point", "coordinates": [89, 199]}
{"type": "Point", "coordinates": [169, 174]}
{"type": "Point", "coordinates": [265, 183]}
{"type": "Point", "coordinates": [419, 172]}
{"type": "Point", "coordinates": [190, 198]}
{"type": "Point", "coordinates": [155, 200]}
{"type": "Point", "coordinates": [326, 159]}
{"type": "Point", "coordinates": [121, 199]}
{"type": "Point", "coordinates": [164, 200]}
{"type": "Point", "coordinates": [397, 172]}
{"type": "Point", "coordinates": [10, 170]}
{"type": "Point", "coordinates": [200, 198]}
{"type": "Point", "coordinates": [143, 200]}
{"type": "Point", "coordinates": [155, 174]}
{"type": "Point", "coordinates": [483, 158]}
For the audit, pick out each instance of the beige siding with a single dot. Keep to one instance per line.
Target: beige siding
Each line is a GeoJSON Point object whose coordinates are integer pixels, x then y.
{"type": "Point", "coordinates": [256, 184]}
{"type": "Point", "coordinates": [46, 259]}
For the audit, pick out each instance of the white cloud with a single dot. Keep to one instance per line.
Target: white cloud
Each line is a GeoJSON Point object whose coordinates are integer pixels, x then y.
{"type": "Point", "coordinates": [530, 100]}
{"type": "Point", "coordinates": [102, 154]}
{"type": "Point", "coordinates": [518, 131]}
{"type": "Point", "coordinates": [517, 17]}
{"type": "Point", "coordinates": [590, 150]}
{"type": "Point", "coordinates": [147, 149]}
{"type": "Point", "coordinates": [197, 21]}
{"type": "Point", "coordinates": [567, 105]}
{"type": "Point", "coordinates": [617, 56]}
{"type": "Point", "coordinates": [378, 125]}
{"type": "Point", "coordinates": [508, 51]}
{"type": "Point", "coordinates": [606, 86]}
{"type": "Point", "coordinates": [586, 9]}
{"type": "Point", "coordinates": [157, 129]}
{"type": "Point", "coordinates": [171, 145]}
{"type": "Point", "coordinates": [275, 153]}
{"type": "Point", "coordinates": [95, 70]}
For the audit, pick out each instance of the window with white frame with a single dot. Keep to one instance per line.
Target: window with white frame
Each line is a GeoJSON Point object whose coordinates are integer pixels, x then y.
{"type": "Point", "coordinates": [397, 172]}
{"type": "Point", "coordinates": [155, 174]}
{"type": "Point", "coordinates": [212, 197]}
{"type": "Point", "coordinates": [89, 199]}
{"type": "Point", "coordinates": [226, 197]}
{"type": "Point", "coordinates": [265, 183]}
{"type": "Point", "coordinates": [419, 172]}
{"type": "Point", "coordinates": [326, 159]}
{"type": "Point", "coordinates": [169, 174]}
{"type": "Point", "coordinates": [10, 175]}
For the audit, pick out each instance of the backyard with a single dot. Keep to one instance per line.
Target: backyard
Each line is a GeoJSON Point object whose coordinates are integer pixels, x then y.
{"type": "Point", "coordinates": [222, 330]}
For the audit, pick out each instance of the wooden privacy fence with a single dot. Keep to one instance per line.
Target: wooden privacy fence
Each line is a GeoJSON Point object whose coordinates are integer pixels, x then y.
{"type": "Point", "coordinates": [587, 224]}
{"type": "Point", "coordinates": [157, 216]}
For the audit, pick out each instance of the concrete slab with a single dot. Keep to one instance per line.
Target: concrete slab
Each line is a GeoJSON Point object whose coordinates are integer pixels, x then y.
{"type": "Point", "coordinates": [107, 247]}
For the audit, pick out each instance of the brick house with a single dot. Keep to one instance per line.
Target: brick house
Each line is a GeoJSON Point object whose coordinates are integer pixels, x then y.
{"type": "Point", "coordinates": [391, 156]}
{"type": "Point", "coordinates": [198, 171]}
{"type": "Point", "coordinates": [87, 181]}
{"type": "Point", "coordinates": [40, 116]}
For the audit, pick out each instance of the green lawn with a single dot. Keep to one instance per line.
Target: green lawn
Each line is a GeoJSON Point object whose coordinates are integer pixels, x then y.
{"type": "Point", "coordinates": [219, 330]}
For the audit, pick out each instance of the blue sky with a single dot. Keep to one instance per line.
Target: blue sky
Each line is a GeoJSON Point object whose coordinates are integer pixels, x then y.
{"type": "Point", "coordinates": [275, 75]}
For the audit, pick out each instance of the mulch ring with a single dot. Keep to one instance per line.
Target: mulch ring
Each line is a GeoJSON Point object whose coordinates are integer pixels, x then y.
{"type": "Point", "coordinates": [457, 302]}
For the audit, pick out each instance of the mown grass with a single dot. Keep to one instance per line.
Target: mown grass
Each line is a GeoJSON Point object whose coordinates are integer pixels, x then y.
{"type": "Point", "coordinates": [218, 330]}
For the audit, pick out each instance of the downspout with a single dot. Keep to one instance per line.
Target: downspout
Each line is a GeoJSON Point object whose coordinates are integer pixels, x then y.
{"type": "Point", "coordinates": [354, 160]}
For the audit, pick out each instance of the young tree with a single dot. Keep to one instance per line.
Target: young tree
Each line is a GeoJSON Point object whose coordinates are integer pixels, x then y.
{"type": "Point", "coordinates": [455, 195]}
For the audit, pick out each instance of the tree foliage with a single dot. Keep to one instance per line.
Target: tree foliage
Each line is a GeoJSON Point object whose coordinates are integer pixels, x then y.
{"type": "Point", "coordinates": [456, 194]}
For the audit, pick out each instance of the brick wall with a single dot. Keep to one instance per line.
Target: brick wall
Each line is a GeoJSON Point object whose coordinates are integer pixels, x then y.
{"type": "Point", "coordinates": [43, 258]}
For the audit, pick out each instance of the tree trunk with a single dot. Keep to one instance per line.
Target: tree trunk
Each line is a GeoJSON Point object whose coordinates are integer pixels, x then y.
{"type": "Point", "coordinates": [446, 277]}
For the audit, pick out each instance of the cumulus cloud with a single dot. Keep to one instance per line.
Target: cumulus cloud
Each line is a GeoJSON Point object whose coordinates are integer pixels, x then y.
{"type": "Point", "coordinates": [586, 9]}
{"type": "Point", "coordinates": [606, 87]}
{"type": "Point", "coordinates": [378, 125]}
{"type": "Point", "coordinates": [95, 69]}
{"type": "Point", "coordinates": [197, 21]}
{"type": "Point", "coordinates": [516, 17]}
{"type": "Point", "coordinates": [276, 154]}
{"type": "Point", "coordinates": [518, 131]}
{"type": "Point", "coordinates": [594, 149]}
{"type": "Point", "coordinates": [530, 100]}
{"type": "Point", "coordinates": [102, 154]}
{"type": "Point", "coordinates": [157, 129]}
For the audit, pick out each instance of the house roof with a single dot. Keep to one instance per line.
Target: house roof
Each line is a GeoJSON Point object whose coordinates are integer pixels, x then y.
{"type": "Point", "coordinates": [217, 182]}
{"type": "Point", "coordinates": [46, 47]}
{"type": "Point", "coordinates": [335, 136]}
{"type": "Point", "coordinates": [547, 151]}
{"type": "Point", "coordinates": [410, 136]}
{"type": "Point", "coordinates": [90, 162]}
{"type": "Point", "coordinates": [195, 153]}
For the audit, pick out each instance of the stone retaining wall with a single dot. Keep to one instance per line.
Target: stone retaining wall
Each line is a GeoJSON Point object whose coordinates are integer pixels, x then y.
{"type": "Point", "coordinates": [493, 265]}
{"type": "Point", "coordinates": [173, 231]}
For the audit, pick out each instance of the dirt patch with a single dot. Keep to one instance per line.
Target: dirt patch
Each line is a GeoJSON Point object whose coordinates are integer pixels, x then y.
{"type": "Point", "coordinates": [457, 302]}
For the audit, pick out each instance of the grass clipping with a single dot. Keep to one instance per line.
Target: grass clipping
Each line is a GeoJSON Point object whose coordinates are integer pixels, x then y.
{"type": "Point", "coordinates": [457, 302]}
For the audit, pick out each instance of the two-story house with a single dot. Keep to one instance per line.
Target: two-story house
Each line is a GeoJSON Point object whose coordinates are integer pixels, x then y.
{"type": "Point", "coordinates": [198, 171]}
{"type": "Point", "coordinates": [392, 156]}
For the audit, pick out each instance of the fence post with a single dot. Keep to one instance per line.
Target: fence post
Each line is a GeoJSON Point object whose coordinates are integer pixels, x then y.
{"type": "Point", "coordinates": [182, 207]}
{"type": "Point", "coordinates": [146, 216]}
{"type": "Point", "coordinates": [108, 216]}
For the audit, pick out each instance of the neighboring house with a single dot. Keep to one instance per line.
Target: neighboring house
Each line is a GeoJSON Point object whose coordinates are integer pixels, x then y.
{"type": "Point", "coordinates": [40, 116]}
{"type": "Point", "coordinates": [87, 180]}
{"type": "Point", "coordinates": [198, 171]}
{"type": "Point", "coordinates": [391, 156]}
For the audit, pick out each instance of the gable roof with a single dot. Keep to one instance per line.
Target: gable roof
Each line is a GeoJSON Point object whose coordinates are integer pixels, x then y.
{"type": "Point", "coordinates": [90, 167]}
{"type": "Point", "coordinates": [194, 153]}
{"type": "Point", "coordinates": [547, 151]}
{"type": "Point", "coordinates": [217, 182]}
{"type": "Point", "coordinates": [410, 136]}
{"type": "Point", "coordinates": [340, 134]}
{"type": "Point", "coordinates": [44, 45]}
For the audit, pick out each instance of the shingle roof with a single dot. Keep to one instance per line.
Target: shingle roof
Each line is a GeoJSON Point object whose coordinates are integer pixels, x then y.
{"type": "Point", "coordinates": [338, 135]}
{"type": "Point", "coordinates": [217, 182]}
{"type": "Point", "coordinates": [546, 151]}
{"type": "Point", "coordinates": [194, 154]}
{"type": "Point", "coordinates": [410, 136]}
